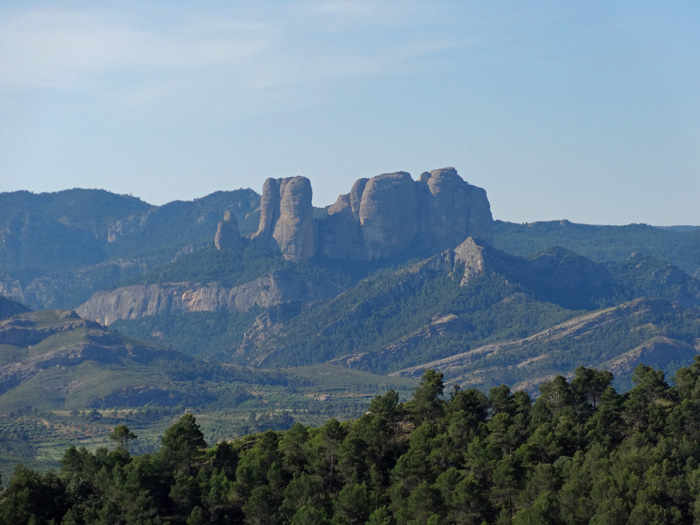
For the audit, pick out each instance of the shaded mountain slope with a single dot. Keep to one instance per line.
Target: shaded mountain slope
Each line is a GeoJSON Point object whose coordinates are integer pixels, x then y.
{"type": "Point", "coordinates": [679, 246]}
{"type": "Point", "coordinates": [8, 308]}
{"type": "Point", "coordinates": [57, 249]}
{"type": "Point", "coordinates": [56, 232]}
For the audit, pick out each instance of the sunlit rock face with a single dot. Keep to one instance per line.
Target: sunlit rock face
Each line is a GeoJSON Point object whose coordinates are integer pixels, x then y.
{"type": "Point", "coordinates": [388, 212]}
{"type": "Point", "coordinates": [451, 210]}
{"type": "Point", "coordinates": [391, 213]}
{"type": "Point", "coordinates": [286, 218]}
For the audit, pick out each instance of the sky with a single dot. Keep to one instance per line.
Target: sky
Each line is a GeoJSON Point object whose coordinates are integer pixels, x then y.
{"type": "Point", "coordinates": [587, 111]}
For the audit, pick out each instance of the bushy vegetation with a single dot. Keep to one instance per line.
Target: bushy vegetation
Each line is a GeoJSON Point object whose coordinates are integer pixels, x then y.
{"type": "Point", "coordinates": [580, 453]}
{"type": "Point", "coordinates": [383, 308]}
{"type": "Point", "coordinates": [199, 334]}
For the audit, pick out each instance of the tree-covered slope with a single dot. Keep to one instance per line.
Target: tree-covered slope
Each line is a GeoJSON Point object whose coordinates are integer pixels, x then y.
{"type": "Point", "coordinates": [57, 249]}
{"type": "Point", "coordinates": [163, 231]}
{"type": "Point", "coordinates": [580, 453]}
{"type": "Point", "coordinates": [651, 331]}
{"type": "Point", "coordinates": [460, 300]}
{"type": "Point", "coordinates": [679, 246]}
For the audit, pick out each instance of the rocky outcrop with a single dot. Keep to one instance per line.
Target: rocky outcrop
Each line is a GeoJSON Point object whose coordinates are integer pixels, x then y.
{"type": "Point", "coordinates": [388, 213]}
{"type": "Point", "coordinates": [133, 302]}
{"type": "Point", "coordinates": [286, 218]}
{"type": "Point", "coordinates": [451, 210]}
{"type": "Point", "coordinates": [227, 235]}
{"type": "Point", "coordinates": [391, 213]}
{"type": "Point", "coordinates": [381, 217]}
{"type": "Point", "coordinates": [342, 231]}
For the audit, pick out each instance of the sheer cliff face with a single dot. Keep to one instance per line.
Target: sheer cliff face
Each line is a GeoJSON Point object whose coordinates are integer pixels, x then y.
{"type": "Point", "coordinates": [286, 218]}
{"type": "Point", "coordinates": [388, 212]}
{"type": "Point", "coordinates": [142, 300]}
{"type": "Point", "coordinates": [391, 213]}
{"type": "Point", "coordinates": [452, 210]}
{"type": "Point", "coordinates": [380, 217]}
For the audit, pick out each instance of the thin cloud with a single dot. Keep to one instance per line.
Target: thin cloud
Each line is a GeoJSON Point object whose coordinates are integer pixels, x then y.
{"type": "Point", "coordinates": [60, 49]}
{"type": "Point", "coordinates": [378, 13]}
{"type": "Point", "coordinates": [237, 59]}
{"type": "Point", "coordinates": [345, 8]}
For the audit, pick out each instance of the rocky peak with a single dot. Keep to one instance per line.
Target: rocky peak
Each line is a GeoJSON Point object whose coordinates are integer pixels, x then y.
{"type": "Point", "coordinates": [286, 218]}
{"type": "Point", "coordinates": [387, 214]}
{"type": "Point", "coordinates": [451, 210]}
{"type": "Point", "coordinates": [391, 213]}
{"type": "Point", "coordinates": [380, 217]}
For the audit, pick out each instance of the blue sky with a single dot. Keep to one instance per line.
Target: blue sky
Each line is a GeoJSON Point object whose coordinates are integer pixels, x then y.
{"type": "Point", "coordinates": [588, 111]}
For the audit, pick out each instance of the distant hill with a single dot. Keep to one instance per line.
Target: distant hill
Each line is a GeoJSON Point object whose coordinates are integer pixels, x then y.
{"type": "Point", "coordinates": [57, 249]}
{"type": "Point", "coordinates": [8, 308]}
{"type": "Point", "coordinates": [677, 245]}
{"type": "Point", "coordinates": [45, 354]}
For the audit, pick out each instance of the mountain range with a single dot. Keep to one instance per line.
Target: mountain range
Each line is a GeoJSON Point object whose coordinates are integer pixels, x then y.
{"type": "Point", "coordinates": [227, 301]}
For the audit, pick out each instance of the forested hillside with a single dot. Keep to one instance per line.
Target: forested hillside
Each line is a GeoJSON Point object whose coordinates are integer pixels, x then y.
{"type": "Point", "coordinates": [580, 453]}
{"type": "Point", "coordinates": [679, 245]}
{"type": "Point", "coordinates": [57, 249]}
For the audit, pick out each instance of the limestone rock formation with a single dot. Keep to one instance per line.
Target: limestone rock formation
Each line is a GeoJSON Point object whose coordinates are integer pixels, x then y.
{"type": "Point", "coordinates": [381, 217]}
{"type": "Point", "coordinates": [390, 213]}
{"type": "Point", "coordinates": [451, 210]}
{"type": "Point", "coordinates": [133, 302]}
{"type": "Point", "coordinates": [286, 218]}
{"type": "Point", "coordinates": [227, 234]}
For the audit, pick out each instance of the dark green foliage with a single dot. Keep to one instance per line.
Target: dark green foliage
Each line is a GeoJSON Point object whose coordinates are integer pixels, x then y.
{"type": "Point", "coordinates": [227, 267]}
{"type": "Point", "coordinates": [427, 402]}
{"type": "Point", "coordinates": [199, 334]}
{"type": "Point", "coordinates": [183, 445]}
{"type": "Point", "coordinates": [580, 453]}
{"type": "Point", "coordinates": [122, 436]}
